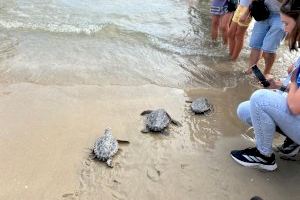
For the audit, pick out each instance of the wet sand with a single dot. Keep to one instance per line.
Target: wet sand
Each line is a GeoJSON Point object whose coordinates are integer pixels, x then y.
{"type": "Point", "coordinates": [46, 132]}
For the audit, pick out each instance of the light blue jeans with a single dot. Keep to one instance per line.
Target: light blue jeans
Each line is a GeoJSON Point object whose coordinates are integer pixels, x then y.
{"type": "Point", "coordinates": [265, 110]}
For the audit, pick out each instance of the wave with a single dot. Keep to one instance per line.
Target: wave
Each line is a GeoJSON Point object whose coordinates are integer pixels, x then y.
{"type": "Point", "coordinates": [189, 46]}
{"type": "Point", "coordinates": [7, 46]}
{"type": "Point", "coordinates": [186, 44]}
{"type": "Point", "coordinates": [54, 28]}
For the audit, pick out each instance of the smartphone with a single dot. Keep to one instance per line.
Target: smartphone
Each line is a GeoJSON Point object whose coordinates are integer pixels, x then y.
{"type": "Point", "coordinates": [262, 79]}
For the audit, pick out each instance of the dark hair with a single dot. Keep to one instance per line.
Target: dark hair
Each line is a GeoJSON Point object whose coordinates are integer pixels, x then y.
{"type": "Point", "coordinates": [256, 198]}
{"type": "Point", "coordinates": [291, 8]}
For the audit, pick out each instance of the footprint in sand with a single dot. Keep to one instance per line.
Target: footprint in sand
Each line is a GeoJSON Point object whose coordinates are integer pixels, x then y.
{"type": "Point", "coordinates": [153, 174]}
{"type": "Point", "coordinates": [70, 196]}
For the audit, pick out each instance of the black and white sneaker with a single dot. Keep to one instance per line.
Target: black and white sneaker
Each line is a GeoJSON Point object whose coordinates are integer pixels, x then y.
{"type": "Point", "coordinates": [251, 157]}
{"type": "Point", "coordinates": [289, 148]}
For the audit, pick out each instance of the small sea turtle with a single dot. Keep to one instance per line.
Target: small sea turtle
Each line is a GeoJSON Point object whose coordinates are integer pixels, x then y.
{"type": "Point", "coordinates": [200, 105]}
{"type": "Point", "coordinates": [157, 120]}
{"type": "Point", "coordinates": [106, 147]}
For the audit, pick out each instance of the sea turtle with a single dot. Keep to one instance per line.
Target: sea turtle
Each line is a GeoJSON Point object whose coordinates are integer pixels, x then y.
{"type": "Point", "coordinates": [106, 147]}
{"type": "Point", "coordinates": [200, 105]}
{"type": "Point", "coordinates": [157, 120]}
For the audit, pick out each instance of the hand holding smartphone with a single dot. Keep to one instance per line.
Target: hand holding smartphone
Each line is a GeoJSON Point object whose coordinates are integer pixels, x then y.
{"type": "Point", "coordinates": [262, 79]}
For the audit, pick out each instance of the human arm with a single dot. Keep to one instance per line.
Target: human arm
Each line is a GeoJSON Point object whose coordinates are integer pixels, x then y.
{"type": "Point", "coordinates": [293, 98]}
{"type": "Point", "coordinates": [244, 17]}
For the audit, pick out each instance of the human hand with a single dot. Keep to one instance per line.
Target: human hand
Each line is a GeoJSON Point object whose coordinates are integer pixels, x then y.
{"type": "Point", "coordinates": [290, 69]}
{"type": "Point", "coordinates": [274, 83]}
{"type": "Point", "coordinates": [293, 77]}
{"type": "Point", "coordinates": [243, 18]}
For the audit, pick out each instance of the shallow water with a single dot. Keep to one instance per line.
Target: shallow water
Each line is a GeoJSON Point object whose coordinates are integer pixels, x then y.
{"type": "Point", "coordinates": [67, 42]}
{"type": "Point", "coordinates": [70, 68]}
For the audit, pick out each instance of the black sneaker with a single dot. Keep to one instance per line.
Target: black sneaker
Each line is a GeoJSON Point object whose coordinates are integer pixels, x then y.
{"type": "Point", "coordinates": [289, 148]}
{"type": "Point", "coordinates": [251, 157]}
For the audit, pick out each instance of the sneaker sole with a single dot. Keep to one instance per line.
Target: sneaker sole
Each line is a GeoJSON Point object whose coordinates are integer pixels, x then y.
{"type": "Point", "coordinates": [256, 165]}
{"type": "Point", "coordinates": [292, 154]}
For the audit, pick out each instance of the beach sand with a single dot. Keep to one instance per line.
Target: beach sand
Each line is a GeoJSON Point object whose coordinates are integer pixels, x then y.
{"type": "Point", "coordinates": [46, 133]}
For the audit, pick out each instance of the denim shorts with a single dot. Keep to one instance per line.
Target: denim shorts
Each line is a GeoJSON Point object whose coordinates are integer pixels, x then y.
{"type": "Point", "coordinates": [267, 34]}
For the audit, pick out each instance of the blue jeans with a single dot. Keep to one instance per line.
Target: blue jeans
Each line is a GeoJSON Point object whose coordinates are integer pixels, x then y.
{"type": "Point", "coordinates": [265, 110]}
{"type": "Point", "coordinates": [267, 35]}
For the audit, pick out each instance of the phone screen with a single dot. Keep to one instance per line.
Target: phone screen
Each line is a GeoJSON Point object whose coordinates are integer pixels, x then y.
{"type": "Point", "coordinates": [256, 71]}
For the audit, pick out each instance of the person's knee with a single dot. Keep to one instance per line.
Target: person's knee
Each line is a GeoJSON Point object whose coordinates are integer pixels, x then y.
{"type": "Point", "coordinates": [240, 33]}
{"type": "Point", "coordinates": [223, 27]}
{"type": "Point", "coordinates": [231, 33]}
{"type": "Point", "coordinates": [243, 112]}
{"type": "Point", "coordinates": [259, 96]}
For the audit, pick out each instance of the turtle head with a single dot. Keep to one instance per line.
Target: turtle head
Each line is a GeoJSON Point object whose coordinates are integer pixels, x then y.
{"type": "Point", "coordinates": [107, 132]}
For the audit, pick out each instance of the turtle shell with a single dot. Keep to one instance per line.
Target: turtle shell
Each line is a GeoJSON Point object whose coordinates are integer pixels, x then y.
{"type": "Point", "coordinates": [157, 120]}
{"type": "Point", "coordinates": [200, 105]}
{"type": "Point", "coordinates": [106, 146]}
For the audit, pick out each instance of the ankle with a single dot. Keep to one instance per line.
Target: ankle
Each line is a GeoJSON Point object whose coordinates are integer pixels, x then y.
{"type": "Point", "coordinates": [265, 154]}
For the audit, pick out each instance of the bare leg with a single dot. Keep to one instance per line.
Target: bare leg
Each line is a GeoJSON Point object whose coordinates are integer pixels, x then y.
{"type": "Point", "coordinates": [269, 61]}
{"type": "Point", "coordinates": [224, 26]}
{"type": "Point", "coordinates": [254, 58]}
{"type": "Point", "coordinates": [231, 37]}
{"type": "Point", "coordinates": [239, 41]}
{"type": "Point", "coordinates": [215, 21]}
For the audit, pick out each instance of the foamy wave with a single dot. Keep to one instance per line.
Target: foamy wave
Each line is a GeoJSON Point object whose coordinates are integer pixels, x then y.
{"type": "Point", "coordinates": [188, 47]}
{"type": "Point", "coordinates": [7, 46]}
{"type": "Point", "coordinates": [56, 28]}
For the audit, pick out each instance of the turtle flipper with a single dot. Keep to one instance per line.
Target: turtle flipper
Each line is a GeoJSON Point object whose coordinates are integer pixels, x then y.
{"type": "Point", "coordinates": [177, 123]}
{"type": "Point", "coordinates": [145, 130]}
{"type": "Point", "coordinates": [146, 112]}
{"type": "Point", "coordinates": [123, 141]}
{"type": "Point", "coordinates": [210, 111]}
{"type": "Point", "coordinates": [109, 163]}
{"type": "Point", "coordinates": [173, 121]}
{"type": "Point", "coordinates": [165, 132]}
{"type": "Point", "coordinates": [92, 154]}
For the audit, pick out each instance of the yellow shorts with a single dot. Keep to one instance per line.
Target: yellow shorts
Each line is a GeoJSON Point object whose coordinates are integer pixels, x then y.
{"type": "Point", "coordinates": [238, 13]}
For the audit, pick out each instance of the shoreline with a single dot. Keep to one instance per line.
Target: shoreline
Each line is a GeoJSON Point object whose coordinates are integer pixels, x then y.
{"type": "Point", "coordinates": [48, 130]}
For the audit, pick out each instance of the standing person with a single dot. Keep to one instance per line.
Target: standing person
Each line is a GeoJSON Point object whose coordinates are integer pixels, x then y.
{"type": "Point", "coordinates": [266, 37]}
{"type": "Point", "coordinates": [267, 109]}
{"type": "Point", "coordinates": [220, 19]}
{"type": "Point", "coordinates": [240, 22]}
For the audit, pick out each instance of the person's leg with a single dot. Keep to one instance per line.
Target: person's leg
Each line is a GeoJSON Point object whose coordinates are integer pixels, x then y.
{"type": "Point", "coordinates": [231, 37]}
{"type": "Point", "coordinates": [259, 32]}
{"type": "Point", "coordinates": [224, 26]}
{"type": "Point", "coordinates": [243, 112]}
{"type": "Point", "coordinates": [269, 61]}
{"type": "Point", "coordinates": [268, 109]}
{"type": "Point", "coordinates": [239, 41]}
{"type": "Point", "coordinates": [262, 105]}
{"type": "Point", "coordinates": [215, 21]}
{"type": "Point", "coordinates": [272, 41]}
{"type": "Point", "coordinates": [232, 30]}
{"type": "Point", "coordinates": [263, 124]}
{"type": "Point", "coordinates": [288, 149]}
{"type": "Point", "coordinates": [254, 57]}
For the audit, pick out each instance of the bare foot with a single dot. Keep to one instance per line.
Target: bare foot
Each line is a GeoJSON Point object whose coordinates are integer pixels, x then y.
{"type": "Point", "coordinates": [248, 71]}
